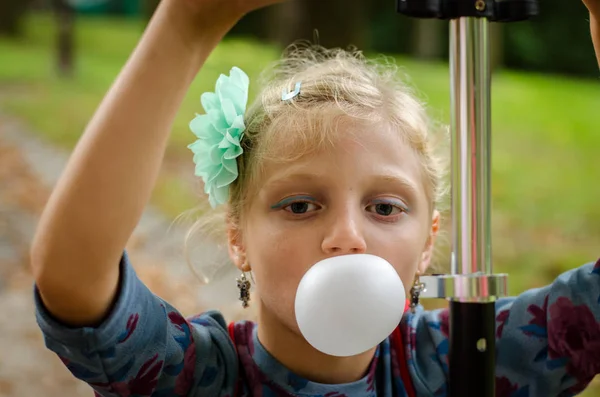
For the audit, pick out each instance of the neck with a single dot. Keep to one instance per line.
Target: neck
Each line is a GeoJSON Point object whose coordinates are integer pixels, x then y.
{"type": "Point", "coordinates": [298, 356]}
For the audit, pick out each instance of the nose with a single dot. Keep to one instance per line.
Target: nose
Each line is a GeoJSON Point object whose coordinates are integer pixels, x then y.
{"type": "Point", "coordinates": [344, 235]}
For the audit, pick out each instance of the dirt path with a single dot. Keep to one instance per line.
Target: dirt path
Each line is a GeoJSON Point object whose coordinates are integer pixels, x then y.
{"type": "Point", "coordinates": [28, 169]}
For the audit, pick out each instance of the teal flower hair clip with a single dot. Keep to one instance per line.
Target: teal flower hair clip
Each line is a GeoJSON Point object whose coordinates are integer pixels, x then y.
{"type": "Point", "coordinates": [219, 132]}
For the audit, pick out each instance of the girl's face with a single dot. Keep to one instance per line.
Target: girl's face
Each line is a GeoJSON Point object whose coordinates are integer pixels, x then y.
{"type": "Point", "coordinates": [366, 195]}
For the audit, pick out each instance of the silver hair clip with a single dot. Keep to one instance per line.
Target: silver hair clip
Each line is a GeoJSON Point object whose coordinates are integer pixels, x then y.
{"type": "Point", "coordinates": [286, 96]}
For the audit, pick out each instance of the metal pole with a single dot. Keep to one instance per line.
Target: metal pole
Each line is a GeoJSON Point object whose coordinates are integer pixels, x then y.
{"type": "Point", "coordinates": [472, 336]}
{"type": "Point", "coordinates": [471, 287]}
{"type": "Point", "coordinates": [471, 136]}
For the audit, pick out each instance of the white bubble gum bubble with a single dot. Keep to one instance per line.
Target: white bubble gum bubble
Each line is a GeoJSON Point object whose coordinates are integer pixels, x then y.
{"type": "Point", "coordinates": [348, 304]}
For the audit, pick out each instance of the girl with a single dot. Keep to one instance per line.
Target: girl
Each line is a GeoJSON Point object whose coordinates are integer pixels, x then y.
{"type": "Point", "coordinates": [334, 158]}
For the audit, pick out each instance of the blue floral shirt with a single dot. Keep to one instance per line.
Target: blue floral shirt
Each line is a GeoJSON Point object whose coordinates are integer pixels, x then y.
{"type": "Point", "coordinates": [548, 344]}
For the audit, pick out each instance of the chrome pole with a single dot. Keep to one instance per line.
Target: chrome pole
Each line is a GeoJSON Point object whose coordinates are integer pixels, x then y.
{"type": "Point", "coordinates": [472, 318]}
{"type": "Point", "coordinates": [471, 149]}
{"type": "Point", "coordinates": [471, 288]}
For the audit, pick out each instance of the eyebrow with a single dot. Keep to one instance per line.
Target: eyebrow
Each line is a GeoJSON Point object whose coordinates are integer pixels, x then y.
{"type": "Point", "coordinates": [397, 180]}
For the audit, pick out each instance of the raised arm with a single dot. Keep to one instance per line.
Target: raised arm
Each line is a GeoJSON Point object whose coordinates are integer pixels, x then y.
{"type": "Point", "coordinates": [94, 312]}
{"type": "Point", "coordinates": [100, 197]}
{"type": "Point", "coordinates": [594, 8]}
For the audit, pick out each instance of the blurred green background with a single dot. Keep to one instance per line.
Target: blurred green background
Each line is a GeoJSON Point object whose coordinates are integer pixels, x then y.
{"type": "Point", "coordinates": [57, 59]}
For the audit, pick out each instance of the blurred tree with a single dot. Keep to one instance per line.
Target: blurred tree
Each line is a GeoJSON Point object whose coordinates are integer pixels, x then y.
{"type": "Point", "coordinates": [390, 32]}
{"type": "Point", "coordinates": [428, 38]}
{"type": "Point", "coordinates": [338, 23]}
{"type": "Point", "coordinates": [557, 41]}
{"type": "Point", "coordinates": [496, 39]}
{"type": "Point", "coordinates": [11, 16]}
{"type": "Point", "coordinates": [280, 22]}
{"type": "Point", "coordinates": [65, 21]}
{"type": "Point", "coordinates": [331, 23]}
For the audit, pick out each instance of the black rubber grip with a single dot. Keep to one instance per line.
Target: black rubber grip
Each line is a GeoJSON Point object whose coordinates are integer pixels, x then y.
{"type": "Point", "coordinates": [472, 355]}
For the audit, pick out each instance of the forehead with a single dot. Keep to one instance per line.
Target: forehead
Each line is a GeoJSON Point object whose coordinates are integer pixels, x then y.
{"type": "Point", "coordinates": [372, 149]}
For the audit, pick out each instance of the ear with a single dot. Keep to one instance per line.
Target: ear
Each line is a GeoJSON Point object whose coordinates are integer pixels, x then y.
{"type": "Point", "coordinates": [237, 252]}
{"type": "Point", "coordinates": [430, 244]}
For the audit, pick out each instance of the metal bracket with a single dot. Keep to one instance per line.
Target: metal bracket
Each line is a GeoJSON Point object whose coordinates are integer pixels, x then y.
{"type": "Point", "coordinates": [475, 287]}
{"type": "Point", "coordinates": [492, 10]}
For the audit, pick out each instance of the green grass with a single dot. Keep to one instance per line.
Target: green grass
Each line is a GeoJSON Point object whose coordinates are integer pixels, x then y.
{"type": "Point", "coordinates": [545, 136]}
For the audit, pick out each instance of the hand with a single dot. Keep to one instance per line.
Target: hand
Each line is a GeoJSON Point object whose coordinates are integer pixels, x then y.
{"type": "Point", "coordinates": [203, 23]}
{"type": "Point", "coordinates": [594, 7]}
{"type": "Point", "coordinates": [225, 9]}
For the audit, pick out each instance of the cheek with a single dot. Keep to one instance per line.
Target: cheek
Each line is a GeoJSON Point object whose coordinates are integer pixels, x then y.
{"type": "Point", "coordinates": [403, 248]}
{"type": "Point", "coordinates": [407, 275]}
{"type": "Point", "coordinates": [406, 265]}
{"type": "Point", "coordinates": [279, 258]}
{"type": "Point", "coordinates": [272, 246]}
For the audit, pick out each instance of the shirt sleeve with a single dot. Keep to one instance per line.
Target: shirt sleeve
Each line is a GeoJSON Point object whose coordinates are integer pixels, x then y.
{"type": "Point", "coordinates": [145, 347]}
{"type": "Point", "coordinates": [547, 340]}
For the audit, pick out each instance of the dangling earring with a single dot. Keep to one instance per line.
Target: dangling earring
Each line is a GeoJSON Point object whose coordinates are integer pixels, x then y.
{"type": "Point", "coordinates": [415, 291]}
{"type": "Point", "coordinates": [243, 285]}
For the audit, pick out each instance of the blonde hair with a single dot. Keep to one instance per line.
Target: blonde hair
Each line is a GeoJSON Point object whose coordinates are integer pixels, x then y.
{"type": "Point", "coordinates": [335, 85]}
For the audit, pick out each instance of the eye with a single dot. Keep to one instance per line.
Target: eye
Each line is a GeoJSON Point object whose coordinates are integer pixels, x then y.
{"type": "Point", "coordinates": [387, 209]}
{"type": "Point", "coordinates": [297, 205]}
{"type": "Point", "coordinates": [300, 207]}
